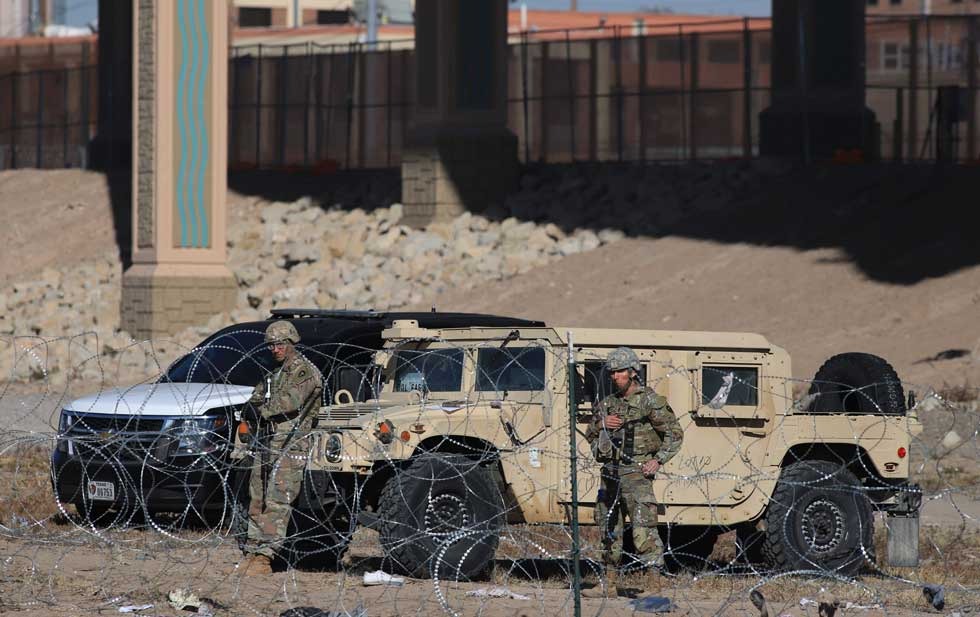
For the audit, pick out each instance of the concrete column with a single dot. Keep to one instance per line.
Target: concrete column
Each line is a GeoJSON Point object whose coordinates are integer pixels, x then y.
{"type": "Point", "coordinates": [459, 153]}
{"type": "Point", "coordinates": [178, 277]}
{"type": "Point", "coordinates": [820, 109]}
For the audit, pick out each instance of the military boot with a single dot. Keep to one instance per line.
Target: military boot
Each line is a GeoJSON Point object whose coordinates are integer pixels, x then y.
{"type": "Point", "coordinates": [608, 591]}
{"type": "Point", "coordinates": [258, 565]}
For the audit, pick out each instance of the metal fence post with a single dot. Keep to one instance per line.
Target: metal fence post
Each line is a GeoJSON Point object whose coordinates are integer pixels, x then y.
{"type": "Point", "coordinates": [350, 101]}
{"type": "Point", "coordinates": [571, 92]}
{"type": "Point", "coordinates": [682, 93]}
{"type": "Point", "coordinates": [282, 104]}
{"type": "Point", "coordinates": [527, 136]}
{"type": "Point", "coordinates": [258, 109]}
{"type": "Point", "coordinates": [746, 89]}
{"type": "Point", "coordinates": [692, 99]}
{"type": "Point", "coordinates": [913, 124]}
{"type": "Point", "coordinates": [543, 101]}
{"type": "Point", "coordinates": [641, 43]}
{"type": "Point", "coordinates": [620, 103]}
{"type": "Point", "coordinates": [971, 90]}
{"type": "Point", "coordinates": [573, 456]}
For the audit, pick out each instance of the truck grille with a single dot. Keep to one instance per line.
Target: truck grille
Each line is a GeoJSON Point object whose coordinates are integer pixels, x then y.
{"type": "Point", "coordinates": [120, 438]}
{"type": "Point", "coordinates": [343, 414]}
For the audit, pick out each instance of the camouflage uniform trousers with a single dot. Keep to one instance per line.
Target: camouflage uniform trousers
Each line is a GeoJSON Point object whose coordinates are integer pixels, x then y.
{"type": "Point", "coordinates": [277, 479]}
{"type": "Point", "coordinates": [629, 494]}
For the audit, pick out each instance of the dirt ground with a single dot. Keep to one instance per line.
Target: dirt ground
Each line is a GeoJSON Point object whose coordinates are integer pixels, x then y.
{"type": "Point", "coordinates": [815, 302]}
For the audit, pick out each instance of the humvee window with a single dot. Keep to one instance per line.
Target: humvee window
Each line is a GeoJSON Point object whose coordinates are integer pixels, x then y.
{"type": "Point", "coordinates": [437, 370]}
{"type": "Point", "coordinates": [514, 369]}
{"type": "Point", "coordinates": [729, 385]}
{"type": "Point", "coordinates": [597, 382]}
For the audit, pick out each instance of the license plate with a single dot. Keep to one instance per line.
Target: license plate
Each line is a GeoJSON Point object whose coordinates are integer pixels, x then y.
{"type": "Point", "coordinates": [101, 491]}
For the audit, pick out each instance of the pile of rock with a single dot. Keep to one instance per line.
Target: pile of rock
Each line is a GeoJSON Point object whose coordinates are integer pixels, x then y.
{"type": "Point", "coordinates": [64, 324]}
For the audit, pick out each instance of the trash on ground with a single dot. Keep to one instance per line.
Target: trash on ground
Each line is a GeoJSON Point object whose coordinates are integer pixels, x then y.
{"type": "Point", "coordinates": [312, 611]}
{"type": "Point", "coordinates": [132, 608]}
{"type": "Point", "coordinates": [380, 577]}
{"type": "Point", "coordinates": [496, 592]}
{"type": "Point", "coordinates": [183, 600]}
{"type": "Point", "coordinates": [653, 604]}
{"type": "Point", "coordinates": [935, 595]}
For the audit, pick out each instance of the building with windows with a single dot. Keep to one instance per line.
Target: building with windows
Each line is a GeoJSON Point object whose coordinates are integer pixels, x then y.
{"type": "Point", "coordinates": [294, 13]}
{"type": "Point", "coordinates": [923, 7]}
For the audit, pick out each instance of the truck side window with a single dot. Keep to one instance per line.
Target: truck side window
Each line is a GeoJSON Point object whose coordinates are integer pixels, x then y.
{"type": "Point", "coordinates": [729, 385]}
{"type": "Point", "coordinates": [515, 369]}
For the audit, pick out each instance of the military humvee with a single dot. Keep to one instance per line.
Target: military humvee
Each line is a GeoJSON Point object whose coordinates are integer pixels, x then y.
{"type": "Point", "coordinates": [469, 430]}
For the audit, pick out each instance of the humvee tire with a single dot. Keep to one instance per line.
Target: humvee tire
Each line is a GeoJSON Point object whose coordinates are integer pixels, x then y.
{"type": "Point", "coordinates": [819, 518]}
{"type": "Point", "coordinates": [441, 516]}
{"type": "Point", "coordinates": [859, 383]}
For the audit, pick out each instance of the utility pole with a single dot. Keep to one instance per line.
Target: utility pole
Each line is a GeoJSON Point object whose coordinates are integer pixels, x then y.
{"type": "Point", "coordinates": [372, 23]}
{"type": "Point", "coordinates": [573, 5]}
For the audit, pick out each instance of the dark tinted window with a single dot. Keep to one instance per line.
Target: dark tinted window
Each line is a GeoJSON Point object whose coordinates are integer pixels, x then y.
{"type": "Point", "coordinates": [250, 17]}
{"type": "Point", "coordinates": [238, 357]}
{"type": "Point", "coordinates": [596, 383]}
{"type": "Point", "coordinates": [729, 385]}
{"type": "Point", "coordinates": [438, 370]}
{"type": "Point", "coordinates": [514, 369]}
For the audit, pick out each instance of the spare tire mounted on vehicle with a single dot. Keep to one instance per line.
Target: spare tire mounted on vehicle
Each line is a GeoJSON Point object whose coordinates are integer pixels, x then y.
{"type": "Point", "coordinates": [859, 383]}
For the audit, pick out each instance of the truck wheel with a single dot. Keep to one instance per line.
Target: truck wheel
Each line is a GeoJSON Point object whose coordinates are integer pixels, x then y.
{"type": "Point", "coordinates": [858, 383]}
{"type": "Point", "coordinates": [687, 547]}
{"type": "Point", "coordinates": [441, 517]}
{"type": "Point", "coordinates": [819, 518]}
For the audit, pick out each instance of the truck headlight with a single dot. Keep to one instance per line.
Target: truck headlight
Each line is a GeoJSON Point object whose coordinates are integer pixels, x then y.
{"type": "Point", "coordinates": [196, 436]}
{"type": "Point", "coordinates": [334, 449]}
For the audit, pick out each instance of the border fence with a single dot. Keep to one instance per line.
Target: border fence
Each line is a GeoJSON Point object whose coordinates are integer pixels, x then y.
{"type": "Point", "coordinates": [685, 92]}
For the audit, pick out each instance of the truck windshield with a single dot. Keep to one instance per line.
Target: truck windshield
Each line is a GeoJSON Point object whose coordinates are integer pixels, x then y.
{"type": "Point", "coordinates": [237, 357]}
{"type": "Point", "coordinates": [437, 370]}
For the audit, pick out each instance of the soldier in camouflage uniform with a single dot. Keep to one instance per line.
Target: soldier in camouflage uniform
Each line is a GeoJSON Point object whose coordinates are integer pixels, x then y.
{"type": "Point", "coordinates": [284, 408]}
{"type": "Point", "coordinates": [634, 432]}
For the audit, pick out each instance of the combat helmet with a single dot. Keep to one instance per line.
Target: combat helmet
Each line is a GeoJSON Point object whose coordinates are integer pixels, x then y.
{"type": "Point", "coordinates": [621, 358]}
{"type": "Point", "coordinates": [281, 332]}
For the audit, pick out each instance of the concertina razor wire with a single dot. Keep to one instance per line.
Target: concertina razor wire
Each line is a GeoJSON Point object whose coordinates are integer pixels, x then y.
{"type": "Point", "coordinates": [443, 473]}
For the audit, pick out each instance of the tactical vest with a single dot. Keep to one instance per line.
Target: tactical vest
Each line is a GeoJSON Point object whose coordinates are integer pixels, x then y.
{"type": "Point", "coordinates": [640, 441]}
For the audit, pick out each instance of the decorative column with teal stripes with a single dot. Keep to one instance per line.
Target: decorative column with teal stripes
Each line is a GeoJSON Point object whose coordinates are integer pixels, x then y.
{"type": "Point", "coordinates": [179, 275]}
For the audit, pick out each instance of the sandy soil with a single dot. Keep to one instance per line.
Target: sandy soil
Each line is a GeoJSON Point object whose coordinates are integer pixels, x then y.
{"type": "Point", "coordinates": [813, 303]}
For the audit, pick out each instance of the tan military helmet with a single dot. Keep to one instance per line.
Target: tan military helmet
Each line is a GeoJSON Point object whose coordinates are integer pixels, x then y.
{"type": "Point", "coordinates": [281, 332]}
{"type": "Point", "coordinates": [622, 357]}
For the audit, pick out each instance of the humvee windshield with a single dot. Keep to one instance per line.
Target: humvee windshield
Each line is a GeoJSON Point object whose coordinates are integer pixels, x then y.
{"type": "Point", "coordinates": [435, 370]}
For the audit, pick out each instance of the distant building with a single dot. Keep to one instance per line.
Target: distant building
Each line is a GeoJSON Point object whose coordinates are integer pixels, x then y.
{"type": "Point", "coordinates": [923, 7]}
{"type": "Point", "coordinates": [27, 17]}
{"type": "Point", "coordinates": [293, 13]}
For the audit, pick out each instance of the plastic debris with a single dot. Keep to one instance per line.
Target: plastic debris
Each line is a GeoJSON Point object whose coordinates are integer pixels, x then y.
{"type": "Point", "coordinates": [652, 604]}
{"type": "Point", "coordinates": [496, 592]}
{"type": "Point", "coordinates": [935, 595]}
{"type": "Point", "coordinates": [133, 608]}
{"type": "Point", "coordinates": [184, 600]}
{"type": "Point", "coordinates": [312, 611]}
{"type": "Point", "coordinates": [380, 577]}
{"type": "Point", "coordinates": [721, 397]}
{"type": "Point", "coordinates": [759, 601]}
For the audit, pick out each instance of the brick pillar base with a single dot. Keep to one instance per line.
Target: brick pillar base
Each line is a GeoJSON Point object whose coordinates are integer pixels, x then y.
{"type": "Point", "coordinates": [161, 300]}
{"type": "Point", "coordinates": [455, 171]}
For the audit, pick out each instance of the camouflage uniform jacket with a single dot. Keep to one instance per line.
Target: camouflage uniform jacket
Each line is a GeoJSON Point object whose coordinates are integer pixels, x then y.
{"type": "Point", "coordinates": [650, 428]}
{"type": "Point", "coordinates": [288, 396]}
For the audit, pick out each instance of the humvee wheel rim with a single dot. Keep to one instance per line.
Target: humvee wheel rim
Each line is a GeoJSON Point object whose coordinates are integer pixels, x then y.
{"type": "Point", "coordinates": [445, 515]}
{"type": "Point", "coordinates": [823, 525]}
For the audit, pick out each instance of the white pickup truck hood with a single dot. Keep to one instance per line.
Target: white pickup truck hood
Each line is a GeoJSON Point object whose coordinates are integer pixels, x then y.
{"type": "Point", "coordinates": [162, 399]}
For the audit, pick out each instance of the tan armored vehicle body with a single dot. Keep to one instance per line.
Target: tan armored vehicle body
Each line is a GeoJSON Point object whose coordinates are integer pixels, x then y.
{"type": "Point", "coordinates": [480, 417]}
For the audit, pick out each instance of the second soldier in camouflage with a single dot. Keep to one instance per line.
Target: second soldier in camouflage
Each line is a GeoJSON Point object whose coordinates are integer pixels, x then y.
{"type": "Point", "coordinates": [634, 432]}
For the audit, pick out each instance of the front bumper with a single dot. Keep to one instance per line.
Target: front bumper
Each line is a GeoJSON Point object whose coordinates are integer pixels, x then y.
{"type": "Point", "coordinates": [204, 483]}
